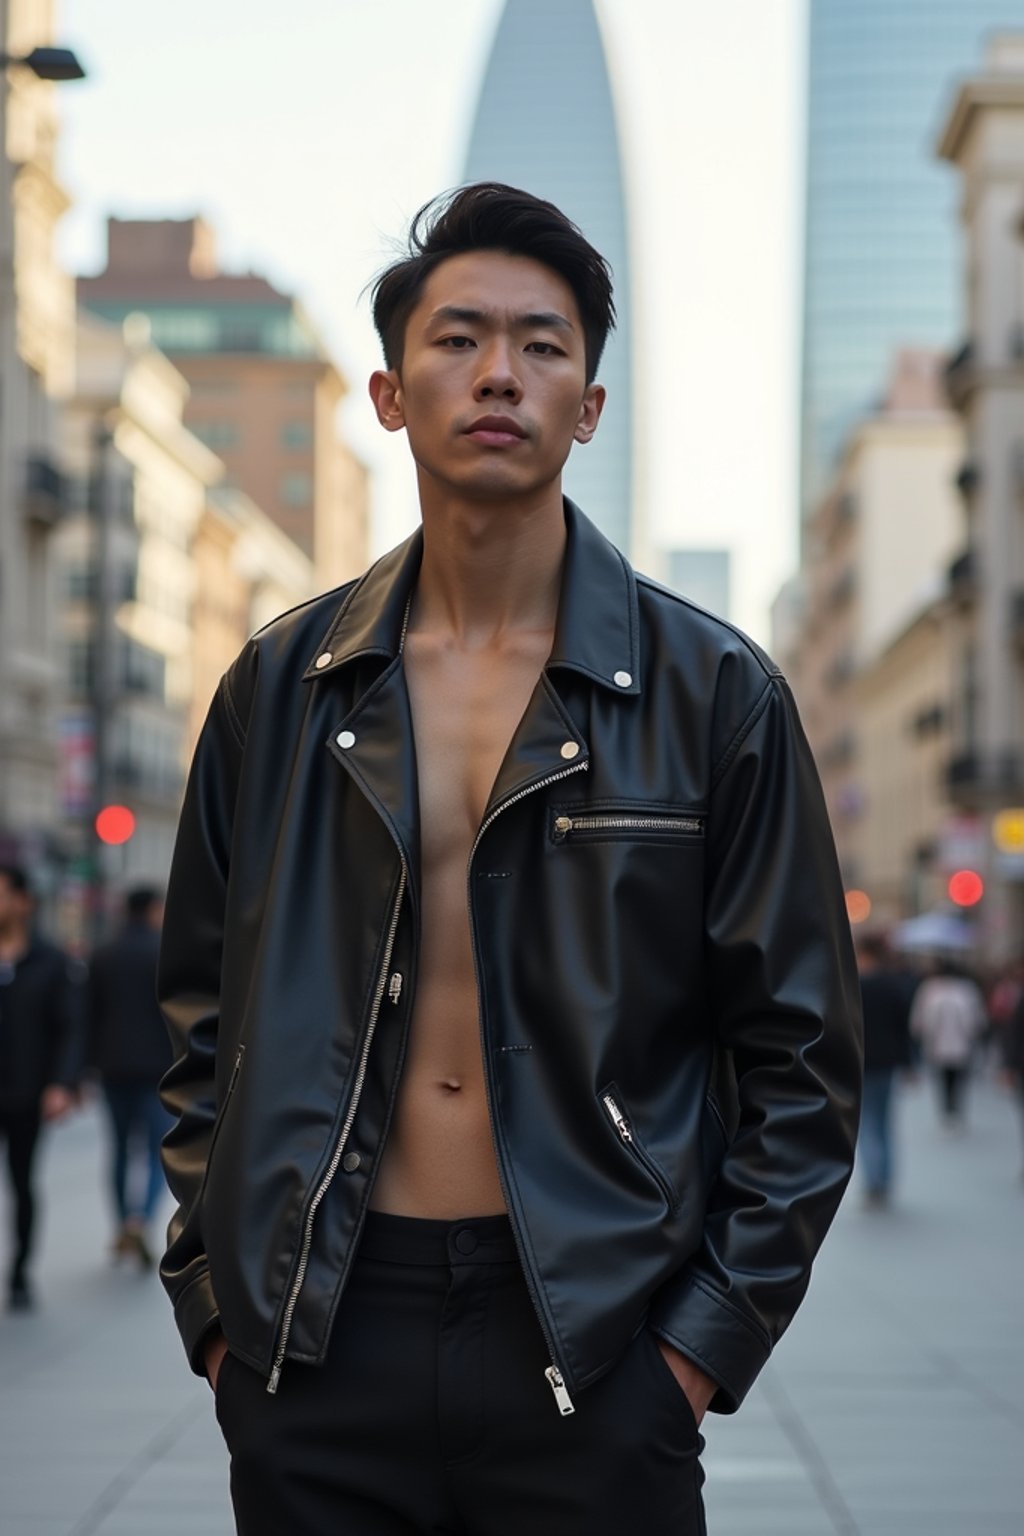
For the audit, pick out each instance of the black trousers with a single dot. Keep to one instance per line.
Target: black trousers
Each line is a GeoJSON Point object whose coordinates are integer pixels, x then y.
{"type": "Point", "coordinates": [432, 1413]}
{"type": "Point", "coordinates": [19, 1126]}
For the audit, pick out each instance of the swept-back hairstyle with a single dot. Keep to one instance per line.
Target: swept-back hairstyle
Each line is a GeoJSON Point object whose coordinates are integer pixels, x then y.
{"type": "Point", "coordinates": [489, 216]}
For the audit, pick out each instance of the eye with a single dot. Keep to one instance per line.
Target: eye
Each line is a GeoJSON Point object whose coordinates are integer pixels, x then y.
{"type": "Point", "coordinates": [545, 349]}
{"type": "Point", "coordinates": [457, 343]}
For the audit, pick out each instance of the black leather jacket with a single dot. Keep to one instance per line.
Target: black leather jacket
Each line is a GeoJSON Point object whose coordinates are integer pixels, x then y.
{"type": "Point", "coordinates": [669, 1009]}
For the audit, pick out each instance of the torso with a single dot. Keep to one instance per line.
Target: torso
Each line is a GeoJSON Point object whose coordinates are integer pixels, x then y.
{"type": "Point", "coordinates": [439, 1158]}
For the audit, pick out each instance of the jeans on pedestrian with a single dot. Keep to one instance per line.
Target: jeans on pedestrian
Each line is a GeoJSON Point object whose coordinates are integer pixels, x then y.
{"type": "Point", "coordinates": [137, 1119]}
{"type": "Point", "coordinates": [874, 1143]}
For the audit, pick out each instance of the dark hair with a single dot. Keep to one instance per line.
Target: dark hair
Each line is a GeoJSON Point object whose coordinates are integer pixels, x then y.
{"type": "Point", "coordinates": [16, 876]}
{"type": "Point", "coordinates": [140, 898]}
{"type": "Point", "coordinates": [489, 216]}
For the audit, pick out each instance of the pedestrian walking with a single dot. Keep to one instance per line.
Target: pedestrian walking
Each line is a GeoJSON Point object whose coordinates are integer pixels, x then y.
{"type": "Point", "coordinates": [515, 1012]}
{"type": "Point", "coordinates": [40, 1050]}
{"type": "Point", "coordinates": [886, 996]}
{"type": "Point", "coordinates": [130, 1051]}
{"type": "Point", "coordinates": [1013, 1056]}
{"type": "Point", "coordinates": [948, 1017]}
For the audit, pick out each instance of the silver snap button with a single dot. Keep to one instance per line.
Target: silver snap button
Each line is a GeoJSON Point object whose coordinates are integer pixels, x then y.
{"type": "Point", "coordinates": [324, 660]}
{"type": "Point", "coordinates": [623, 679]}
{"type": "Point", "coordinates": [350, 1162]}
{"type": "Point", "coordinates": [346, 738]}
{"type": "Point", "coordinates": [570, 749]}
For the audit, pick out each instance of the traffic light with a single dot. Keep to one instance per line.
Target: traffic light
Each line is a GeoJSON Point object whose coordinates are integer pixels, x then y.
{"type": "Point", "coordinates": [966, 887]}
{"type": "Point", "coordinates": [115, 825]}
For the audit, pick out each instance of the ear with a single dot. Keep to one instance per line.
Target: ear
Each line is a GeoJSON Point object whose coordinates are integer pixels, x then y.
{"type": "Point", "coordinates": [590, 413]}
{"type": "Point", "coordinates": [386, 394]}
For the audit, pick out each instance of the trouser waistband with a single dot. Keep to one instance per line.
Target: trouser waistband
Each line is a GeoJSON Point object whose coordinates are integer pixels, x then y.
{"type": "Point", "coordinates": [416, 1240]}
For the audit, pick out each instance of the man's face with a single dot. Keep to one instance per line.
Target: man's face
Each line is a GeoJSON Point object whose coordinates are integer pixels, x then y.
{"type": "Point", "coordinates": [492, 387]}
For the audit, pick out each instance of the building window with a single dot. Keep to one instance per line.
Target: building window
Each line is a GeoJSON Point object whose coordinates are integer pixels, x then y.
{"type": "Point", "coordinates": [81, 668]}
{"type": "Point", "coordinates": [296, 489]}
{"type": "Point", "coordinates": [217, 435]}
{"type": "Point", "coordinates": [297, 434]}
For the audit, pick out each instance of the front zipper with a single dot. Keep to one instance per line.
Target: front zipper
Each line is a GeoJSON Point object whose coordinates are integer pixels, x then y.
{"type": "Point", "coordinates": [615, 1113]}
{"type": "Point", "coordinates": [325, 1183]}
{"type": "Point", "coordinates": [565, 826]}
{"type": "Point", "coordinates": [553, 1374]}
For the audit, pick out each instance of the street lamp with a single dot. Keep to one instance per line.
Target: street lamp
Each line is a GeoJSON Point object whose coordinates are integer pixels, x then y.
{"type": "Point", "coordinates": [47, 63]}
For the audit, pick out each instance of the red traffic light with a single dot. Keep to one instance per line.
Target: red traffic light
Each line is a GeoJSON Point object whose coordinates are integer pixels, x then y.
{"type": "Point", "coordinates": [115, 824]}
{"type": "Point", "coordinates": [966, 888]}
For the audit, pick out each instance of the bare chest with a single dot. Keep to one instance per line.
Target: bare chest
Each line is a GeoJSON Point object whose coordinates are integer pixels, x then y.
{"type": "Point", "coordinates": [465, 712]}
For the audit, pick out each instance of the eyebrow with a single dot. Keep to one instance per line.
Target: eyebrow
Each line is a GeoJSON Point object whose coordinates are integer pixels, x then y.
{"type": "Point", "coordinates": [535, 319]}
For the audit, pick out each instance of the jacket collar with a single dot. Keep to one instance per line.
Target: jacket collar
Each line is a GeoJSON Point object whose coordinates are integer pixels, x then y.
{"type": "Point", "coordinates": [596, 633]}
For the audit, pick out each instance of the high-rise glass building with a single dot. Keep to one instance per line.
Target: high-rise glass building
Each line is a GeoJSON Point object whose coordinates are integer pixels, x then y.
{"type": "Point", "coordinates": [545, 122]}
{"type": "Point", "coordinates": [882, 245]}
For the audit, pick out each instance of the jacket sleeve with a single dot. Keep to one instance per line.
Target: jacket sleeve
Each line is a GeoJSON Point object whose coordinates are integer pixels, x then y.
{"type": "Point", "coordinates": [785, 1001]}
{"type": "Point", "coordinates": [188, 989]}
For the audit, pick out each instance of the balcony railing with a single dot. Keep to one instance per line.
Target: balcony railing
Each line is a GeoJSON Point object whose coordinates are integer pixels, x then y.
{"type": "Point", "coordinates": [977, 775]}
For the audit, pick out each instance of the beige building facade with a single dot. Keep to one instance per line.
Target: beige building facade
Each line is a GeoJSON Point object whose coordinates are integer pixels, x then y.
{"type": "Point", "coordinates": [877, 549]}
{"type": "Point", "coordinates": [264, 391]}
{"type": "Point", "coordinates": [162, 573]}
{"type": "Point", "coordinates": [984, 139]}
{"type": "Point", "coordinates": [36, 373]}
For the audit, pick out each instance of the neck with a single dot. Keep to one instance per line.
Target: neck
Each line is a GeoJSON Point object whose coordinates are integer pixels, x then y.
{"type": "Point", "coordinates": [13, 941]}
{"type": "Point", "coordinates": [489, 567]}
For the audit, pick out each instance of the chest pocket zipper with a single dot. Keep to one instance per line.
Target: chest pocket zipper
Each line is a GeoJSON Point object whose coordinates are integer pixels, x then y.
{"type": "Point", "coordinates": [611, 1102]}
{"type": "Point", "coordinates": [593, 826]}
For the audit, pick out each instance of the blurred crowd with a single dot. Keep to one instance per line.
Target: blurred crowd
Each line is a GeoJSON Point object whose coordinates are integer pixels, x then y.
{"type": "Point", "coordinates": [930, 1015]}
{"type": "Point", "coordinates": [70, 1029]}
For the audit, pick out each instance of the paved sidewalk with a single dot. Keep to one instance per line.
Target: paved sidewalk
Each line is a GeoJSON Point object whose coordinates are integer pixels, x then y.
{"type": "Point", "coordinates": [895, 1407]}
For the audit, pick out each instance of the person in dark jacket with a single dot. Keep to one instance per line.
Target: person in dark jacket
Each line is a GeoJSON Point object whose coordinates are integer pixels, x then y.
{"type": "Point", "coordinates": [516, 1018]}
{"type": "Point", "coordinates": [1013, 1054]}
{"type": "Point", "coordinates": [40, 1048]}
{"type": "Point", "coordinates": [886, 998]}
{"type": "Point", "coordinates": [130, 1052]}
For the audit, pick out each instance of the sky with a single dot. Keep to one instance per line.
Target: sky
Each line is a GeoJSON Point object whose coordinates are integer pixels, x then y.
{"type": "Point", "coordinates": [309, 134]}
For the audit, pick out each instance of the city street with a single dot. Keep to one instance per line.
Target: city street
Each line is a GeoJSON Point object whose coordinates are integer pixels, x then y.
{"type": "Point", "coordinates": [895, 1407]}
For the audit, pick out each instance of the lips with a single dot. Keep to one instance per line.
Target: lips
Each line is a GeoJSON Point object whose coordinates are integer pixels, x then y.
{"type": "Point", "coordinates": [496, 431]}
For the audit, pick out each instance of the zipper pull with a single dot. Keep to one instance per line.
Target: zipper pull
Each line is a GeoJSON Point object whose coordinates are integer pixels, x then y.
{"type": "Point", "coordinates": [395, 987]}
{"type": "Point", "coordinates": [275, 1377]}
{"type": "Point", "coordinates": [557, 1385]}
{"type": "Point", "coordinates": [563, 826]}
{"type": "Point", "coordinates": [618, 1118]}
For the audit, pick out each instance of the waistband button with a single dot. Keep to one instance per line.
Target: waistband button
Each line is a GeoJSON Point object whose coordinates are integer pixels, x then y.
{"type": "Point", "coordinates": [465, 1241]}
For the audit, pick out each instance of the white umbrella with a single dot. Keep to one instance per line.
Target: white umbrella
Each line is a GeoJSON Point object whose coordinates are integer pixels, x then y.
{"type": "Point", "coordinates": [934, 931]}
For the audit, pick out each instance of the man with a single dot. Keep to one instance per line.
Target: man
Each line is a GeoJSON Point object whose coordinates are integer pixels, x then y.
{"type": "Point", "coordinates": [129, 1050]}
{"type": "Point", "coordinates": [39, 1047]}
{"type": "Point", "coordinates": [886, 996]}
{"type": "Point", "coordinates": [507, 967]}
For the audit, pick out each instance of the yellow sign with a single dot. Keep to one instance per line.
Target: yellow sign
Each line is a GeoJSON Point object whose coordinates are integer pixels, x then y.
{"type": "Point", "coordinates": [1008, 830]}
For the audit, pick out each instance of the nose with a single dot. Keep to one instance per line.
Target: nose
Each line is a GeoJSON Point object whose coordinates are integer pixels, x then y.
{"type": "Point", "coordinates": [498, 376]}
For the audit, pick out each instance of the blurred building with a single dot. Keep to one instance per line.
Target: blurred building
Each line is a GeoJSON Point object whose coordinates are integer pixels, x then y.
{"type": "Point", "coordinates": [36, 372]}
{"type": "Point", "coordinates": [247, 572]}
{"type": "Point", "coordinates": [545, 121]}
{"type": "Point", "coordinates": [882, 253]}
{"type": "Point", "coordinates": [983, 138]}
{"type": "Point", "coordinates": [264, 390]}
{"type": "Point", "coordinates": [138, 486]}
{"type": "Point", "coordinates": [161, 577]}
{"type": "Point", "coordinates": [702, 575]}
{"type": "Point", "coordinates": [876, 551]}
